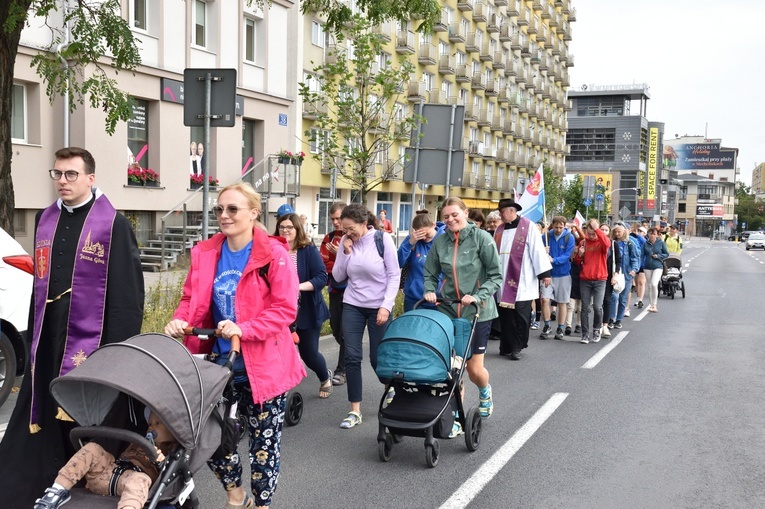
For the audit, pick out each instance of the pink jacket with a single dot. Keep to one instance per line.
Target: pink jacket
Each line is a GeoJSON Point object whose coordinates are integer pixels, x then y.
{"type": "Point", "coordinates": [263, 313]}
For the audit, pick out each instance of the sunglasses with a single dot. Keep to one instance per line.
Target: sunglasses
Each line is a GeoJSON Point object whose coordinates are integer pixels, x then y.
{"type": "Point", "coordinates": [231, 210]}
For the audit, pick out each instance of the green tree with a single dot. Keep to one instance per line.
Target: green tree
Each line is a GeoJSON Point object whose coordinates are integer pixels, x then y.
{"type": "Point", "coordinates": [749, 211]}
{"type": "Point", "coordinates": [359, 117]}
{"type": "Point", "coordinates": [338, 14]}
{"type": "Point", "coordinates": [555, 188]}
{"type": "Point", "coordinates": [96, 29]}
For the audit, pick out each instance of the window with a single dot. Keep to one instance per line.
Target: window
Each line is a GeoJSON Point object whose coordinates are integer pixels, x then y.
{"type": "Point", "coordinates": [385, 202]}
{"type": "Point", "coordinates": [138, 133]}
{"type": "Point", "coordinates": [461, 58]}
{"type": "Point", "coordinates": [325, 202]}
{"type": "Point", "coordinates": [200, 23]}
{"type": "Point", "coordinates": [249, 40]}
{"type": "Point", "coordinates": [140, 14]}
{"type": "Point", "coordinates": [248, 145]}
{"type": "Point", "coordinates": [428, 79]}
{"type": "Point", "coordinates": [383, 60]}
{"type": "Point", "coordinates": [405, 212]}
{"type": "Point", "coordinates": [318, 139]}
{"type": "Point", "coordinates": [317, 34]}
{"type": "Point", "coordinates": [19, 113]}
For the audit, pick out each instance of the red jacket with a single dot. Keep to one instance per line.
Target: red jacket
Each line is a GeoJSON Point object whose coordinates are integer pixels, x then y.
{"type": "Point", "coordinates": [594, 267]}
{"type": "Point", "coordinates": [263, 313]}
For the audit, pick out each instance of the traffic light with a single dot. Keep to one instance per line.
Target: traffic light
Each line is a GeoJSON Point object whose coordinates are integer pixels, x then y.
{"type": "Point", "coordinates": [639, 192]}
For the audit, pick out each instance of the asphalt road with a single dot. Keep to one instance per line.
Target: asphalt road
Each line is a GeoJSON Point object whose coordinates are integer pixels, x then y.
{"type": "Point", "coordinates": [668, 413]}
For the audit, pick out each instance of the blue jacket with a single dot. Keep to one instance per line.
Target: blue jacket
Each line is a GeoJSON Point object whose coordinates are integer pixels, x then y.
{"type": "Point", "coordinates": [310, 267]}
{"type": "Point", "coordinates": [630, 256]}
{"type": "Point", "coordinates": [560, 251]}
{"type": "Point", "coordinates": [659, 248]}
{"type": "Point", "coordinates": [639, 241]}
{"type": "Point", "coordinates": [414, 286]}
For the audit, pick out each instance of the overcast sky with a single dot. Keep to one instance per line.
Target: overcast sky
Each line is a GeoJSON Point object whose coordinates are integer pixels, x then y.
{"type": "Point", "coordinates": [702, 59]}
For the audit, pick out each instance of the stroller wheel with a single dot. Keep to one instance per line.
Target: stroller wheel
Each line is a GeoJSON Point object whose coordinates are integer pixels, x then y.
{"type": "Point", "coordinates": [431, 453]}
{"type": "Point", "coordinates": [473, 425]}
{"type": "Point", "coordinates": [384, 447]}
{"type": "Point", "coordinates": [397, 439]}
{"type": "Point", "coordinates": [671, 292]}
{"type": "Point", "coordinates": [682, 288]}
{"type": "Point", "coordinates": [294, 408]}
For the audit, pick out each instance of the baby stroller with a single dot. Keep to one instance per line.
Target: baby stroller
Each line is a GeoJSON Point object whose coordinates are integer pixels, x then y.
{"type": "Point", "coordinates": [672, 276]}
{"type": "Point", "coordinates": [422, 358]}
{"type": "Point", "coordinates": [157, 372]}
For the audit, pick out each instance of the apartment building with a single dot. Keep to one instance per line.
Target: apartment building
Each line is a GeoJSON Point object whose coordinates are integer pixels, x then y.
{"type": "Point", "coordinates": [505, 61]}
{"type": "Point", "coordinates": [705, 206]}
{"type": "Point", "coordinates": [173, 35]}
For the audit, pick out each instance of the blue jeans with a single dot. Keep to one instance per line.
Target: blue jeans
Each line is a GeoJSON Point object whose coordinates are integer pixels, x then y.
{"type": "Point", "coordinates": [355, 319]}
{"type": "Point", "coordinates": [592, 302]}
{"type": "Point", "coordinates": [619, 314]}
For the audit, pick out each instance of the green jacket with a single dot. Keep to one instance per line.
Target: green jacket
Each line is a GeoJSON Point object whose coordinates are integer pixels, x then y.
{"type": "Point", "coordinates": [476, 268]}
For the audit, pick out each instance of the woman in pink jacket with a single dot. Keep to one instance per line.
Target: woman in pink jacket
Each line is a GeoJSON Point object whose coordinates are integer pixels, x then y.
{"type": "Point", "coordinates": [243, 283]}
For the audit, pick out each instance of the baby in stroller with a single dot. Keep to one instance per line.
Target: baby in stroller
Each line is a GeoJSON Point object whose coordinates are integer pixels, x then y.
{"type": "Point", "coordinates": [130, 477]}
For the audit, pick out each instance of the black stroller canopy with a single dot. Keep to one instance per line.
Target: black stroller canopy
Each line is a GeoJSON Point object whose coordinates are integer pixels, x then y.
{"type": "Point", "coordinates": [153, 368]}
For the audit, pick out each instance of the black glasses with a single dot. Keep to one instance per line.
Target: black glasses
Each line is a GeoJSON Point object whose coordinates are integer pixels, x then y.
{"type": "Point", "coordinates": [286, 227]}
{"type": "Point", "coordinates": [231, 210]}
{"type": "Point", "coordinates": [70, 175]}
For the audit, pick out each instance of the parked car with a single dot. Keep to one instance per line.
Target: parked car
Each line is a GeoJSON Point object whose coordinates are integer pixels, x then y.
{"type": "Point", "coordinates": [755, 241]}
{"type": "Point", "coordinates": [15, 294]}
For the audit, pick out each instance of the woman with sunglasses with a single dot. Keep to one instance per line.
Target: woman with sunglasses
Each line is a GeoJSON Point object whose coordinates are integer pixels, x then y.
{"type": "Point", "coordinates": [243, 283]}
{"type": "Point", "coordinates": [312, 311]}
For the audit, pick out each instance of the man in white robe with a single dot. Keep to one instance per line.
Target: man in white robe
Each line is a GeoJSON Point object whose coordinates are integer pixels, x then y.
{"type": "Point", "coordinates": [524, 262]}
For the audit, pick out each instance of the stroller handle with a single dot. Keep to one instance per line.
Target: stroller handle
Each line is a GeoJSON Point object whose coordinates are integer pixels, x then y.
{"type": "Point", "coordinates": [207, 333]}
{"type": "Point", "coordinates": [440, 300]}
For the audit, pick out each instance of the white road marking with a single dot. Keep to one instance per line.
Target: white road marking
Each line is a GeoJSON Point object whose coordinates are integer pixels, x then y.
{"type": "Point", "coordinates": [473, 486]}
{"type": "Point", "coordinates": [595, 359]}
{"type": "Point", "coordinates": [641, 315]}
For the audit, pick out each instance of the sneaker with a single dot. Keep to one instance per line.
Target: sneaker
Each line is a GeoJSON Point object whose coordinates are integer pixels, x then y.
{"type": "Point", "coordinates": [585, 340]}
{"type": "Point", "coordinates": [559, 333]}
{"type": "Point", "coordinates": [596, 336]}
{"type": "Point", "coordinates": [53, 498]}
{"type": "Point", "coordinates": [534, 325]}
{"type": "Point", "coordinates": [640, 304]}
{"type": "Point", "coordinates": [618, 324]}
{"type": "Point", "coordinates": [338, 378]}
{"type": "Point", "coordinates": [546, 330]}
{"type": "Point", "coordinates": [389, 397]}
{"type": "Point", "coordinates": [485, 404]}
{"type": "Point", "coordinates": [610, 323]}
{"type": "Point", "coordinates": [567, 332]}
{"type": "Point", "coordinates": [605, 332]}
{"type": "Point", "coordinates": [626, 312]}
{"type": "Point", "coordinates": [353, 419]}
{"type": "Point", "coordinates": [578, 329]}
{"type": "Point", "coordinates": [456, 430]}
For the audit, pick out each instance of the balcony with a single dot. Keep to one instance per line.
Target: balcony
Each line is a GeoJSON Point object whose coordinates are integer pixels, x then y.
{"type": "Point", "coordinates": [503, 96]}
{"type": "Point", "coordinates": [532, 28]}
{"type": "Point", "coordinates": [537, 5]}
{"type": "Point", "coordinates": [442, 24]}
{"type": "Point", "coordinates": [484, 119]}
{"type": "Point", "coordinates": [438, 97]}
{"type": "Point", "coordinates": [492, 88]}
{"type": "Point", "coordinates": [471, 113]}
{"type": "Point", "coordinates": [544, 62]}
{"type": "Point", "coordinates": [502, 155]}
{"type": "Point", "coordinates": [521, 160]}
{"type": "Point", "coordinates": [331, 55]}
{"type": "Point", "coordinates": [515, 100]}
{"type": "Point", "coordinates": [515, 42]}
{"type": "Point", "coordinates": [570, 61]}
{"type": "Point", "coordinates": [487, 52]}
{"type": "Point", "coordinates": [471, 45]}
{"type": "Point", "coordinates": [566, 7]}
{"type": "Point", "coordinates": [510, 67]}
{"type": "Point", "coordinates": [312, 110]}
{"type": "Point", "coordinates": [556, 19]}
{"type": "Point", "coordinates": [566, 31]}
{"type": "Point", "coordinates": [384, 31]}
{"type": "Point", "coordinates": [405, 42]}
{"type": "Point", "coordinates": [514, 8]}
{"type": "Point", "coordinates": [447, 64]}
{"type": "Point", "coordinates": [428, 54]}
{"type": "Point", "coordinates": [499, 60]}
{"type": "Point", "coordinates": [532, 163]}
{"type": "Point", "coordinates": [523, 107]}
{"type": "Point", "coordinates": [496, 122]}
{"type": "Point", "coordinates": [511, 159]}
{"type": "Point", "coordinates": [395, 170]}
{"type": "Point", "coordinates": [475, 149]}
{"type": "Point", "coordinates": [456, 32]}
{"type": "Point", "coordinates": [521, 77]}
{"type": "Point", "coordinates": [548, 11]}
{"type": "Point", "coordinates": [505, 33]}
{"type": "Point", "coordinates": [454, 99]}
{"type": "Point", "coordinates": [572, 14]}
{"type": "Point", "coordinates": [500, 3]}
{"type": "Point", "coordinates": [468, 180]}
{"type": "Point", "coordinates": [555, 46]}
{"type": "Point", "coordinates": [525, 49]}
{"type": "Point", "coordinates": [509, 128]}
{"type": "Point", "coordinates": [478, 82]}
{"type": "Point", "coordinates": [479, 11]}
{"type": "Point", "coordinates": [492, 26]}
{"type": "Point", "coordinates": [379, 123]}
{"type": "Point", "coordinates": [542, 35]}
{"type": "Point", "coordinates": [464, 73]}
{"type": "Point", "coordinates": [465, 5]}
{"type": "Point", "coordinates": [416, 91]}
{"type": "Point", "coordinates": [523, 19]}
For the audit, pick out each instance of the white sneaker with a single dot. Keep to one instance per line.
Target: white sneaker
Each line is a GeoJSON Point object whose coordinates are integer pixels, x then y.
{"type": "Point", "coordinates": [626, 312]}
{"type": "Point", "coordinates": [595, 336]}
{"type": "Point", "coordinates": [605, 332]}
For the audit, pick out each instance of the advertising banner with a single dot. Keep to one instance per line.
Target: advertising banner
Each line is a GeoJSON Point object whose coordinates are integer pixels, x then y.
{"type": "Point", "coordinates": [710, 211]}
{"type": "Point", "coordinates": [698, 156]}
{"type": "Point", "coordinates": [603, 187]}
{"type": "Point", "coordinates": [653, 166]}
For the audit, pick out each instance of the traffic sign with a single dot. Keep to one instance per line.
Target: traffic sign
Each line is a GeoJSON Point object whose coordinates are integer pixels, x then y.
{"type": "Point", "coordinates": [587, 202]}
{"type": "Point", "coordinates": [624, 212]}
{"type": "Point", "coordinates": [599, 197]}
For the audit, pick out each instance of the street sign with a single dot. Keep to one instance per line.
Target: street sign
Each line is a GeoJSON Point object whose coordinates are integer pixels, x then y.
{"type": "Point", "coordinates": [588, 187]}
{"type": "Point", "coordinates": [624, 212]}
{"type": "Point", "coordinates": [599, 197]}
{"type": "Point", "coordinates": [587, 202]}
{"type": "Point", "coordinates": [222, 97]}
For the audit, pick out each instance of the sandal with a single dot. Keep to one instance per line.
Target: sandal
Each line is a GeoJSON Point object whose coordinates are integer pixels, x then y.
{"type": "Point", "coordinates": [353, 419]}
{"type": "Point", "coordinates": [325, 389]}
{"type": "Point", "coordinates": [246, 503]}
{"type": "Point", "coordinates": [456, 430]}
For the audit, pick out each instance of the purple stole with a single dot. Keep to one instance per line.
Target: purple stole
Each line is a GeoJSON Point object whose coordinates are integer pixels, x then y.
{"type": "Point", "coordinates": [513, 274]}
{"type": "Point", "coordinates": [88, 299]}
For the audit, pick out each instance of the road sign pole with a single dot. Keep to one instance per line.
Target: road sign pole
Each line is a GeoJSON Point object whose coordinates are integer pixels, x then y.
{"type": "Point", "coordinates": [206, 166]}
